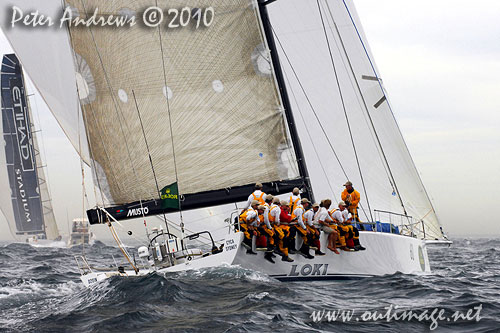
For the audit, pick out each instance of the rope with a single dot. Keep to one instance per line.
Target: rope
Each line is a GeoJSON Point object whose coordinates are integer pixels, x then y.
{"type": "Point", "coordinates": [171, 129]}
{"type": "Point", "coordinates": [150, 160]}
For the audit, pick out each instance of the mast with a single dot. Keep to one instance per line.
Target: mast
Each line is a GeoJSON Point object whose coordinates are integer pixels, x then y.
{"type": "Point", "coordinates": [299, 154]}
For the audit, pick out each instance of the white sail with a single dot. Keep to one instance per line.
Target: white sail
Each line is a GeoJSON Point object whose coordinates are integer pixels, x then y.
{"type": "Point", "coordinates": [388, 175]}
{"type": "Point", "coordinates": [205, 98]}
{"type": "Point", "coordinates": [50, 67]}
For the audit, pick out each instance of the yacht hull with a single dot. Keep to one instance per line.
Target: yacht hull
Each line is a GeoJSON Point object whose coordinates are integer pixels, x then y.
{"type": "Point", "coordinates": [384, 254]}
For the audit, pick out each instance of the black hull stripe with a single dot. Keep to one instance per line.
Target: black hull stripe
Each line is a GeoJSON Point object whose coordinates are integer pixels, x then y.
{"type": "Point", "coordinates": [319, 277]}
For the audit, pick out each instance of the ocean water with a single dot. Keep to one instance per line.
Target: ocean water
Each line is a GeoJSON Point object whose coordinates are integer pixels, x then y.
{"type": "Point", "coordinates": [40, 291]}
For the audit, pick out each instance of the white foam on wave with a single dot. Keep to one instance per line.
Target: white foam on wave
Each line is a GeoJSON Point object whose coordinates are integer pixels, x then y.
{"type": "Point", "coordinates": [56, 244]}
{"type": "Point", "coordinates": [32, 287]}
{"type": "Point", "coordinates": [223, 271]}
{"type": "Point", "coordinates": [257, 296]}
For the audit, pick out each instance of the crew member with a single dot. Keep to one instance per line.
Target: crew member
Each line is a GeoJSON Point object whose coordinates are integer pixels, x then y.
{"type": "Point", "coordinates": [349, 231]}
{"type": "Point", "coordinates": [249, 222]}
{"type": "Point", "coordinates": [280, 233]}
{"type": "Point", "coordinates": [298, 224]}
{"type": "Point", "coordinates": [323, 219]}
{"type": "Point", "coordinates": [267, 229]}
{"type": "Point", "coordinates": [313, 232]}
{"type": "Point", "coordinates": [256, 195]}
{"type": "Point", "coordinates": [351, 198]}
{"type": "Point", "coordinates": [285, 219]}
{"type": "Point", "coordinates": [294, 199]}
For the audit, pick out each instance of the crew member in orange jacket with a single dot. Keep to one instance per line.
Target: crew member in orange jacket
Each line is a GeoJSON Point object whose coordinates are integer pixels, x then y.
{"type": "Point", "coordinates": [351, 197]}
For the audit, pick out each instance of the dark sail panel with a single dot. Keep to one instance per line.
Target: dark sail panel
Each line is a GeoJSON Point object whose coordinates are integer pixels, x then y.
{"type": "Point", "coordinates": [19, 152]}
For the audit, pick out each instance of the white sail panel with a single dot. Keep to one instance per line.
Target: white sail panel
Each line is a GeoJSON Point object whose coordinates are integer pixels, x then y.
{"type": "Point", "coordinates": [206, 94]}
{"type": "Point", "coordinates": [385, 163]}
{"type": "Point", "coordinates": [46, 56]}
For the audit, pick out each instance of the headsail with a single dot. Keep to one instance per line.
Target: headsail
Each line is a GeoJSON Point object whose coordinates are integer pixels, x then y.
{"type": "Point", "coordinates": [29, 202]}
{"type": "Point", "coordinates": [51, 67]}
{"type": "Point", "coordinates": [378, 162]}
{"type": "Point", "coordinates": [206, 99]}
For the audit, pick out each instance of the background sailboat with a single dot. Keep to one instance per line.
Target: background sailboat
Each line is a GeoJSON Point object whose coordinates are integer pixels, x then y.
{"type": "Point", "coordinates": [25, 201]}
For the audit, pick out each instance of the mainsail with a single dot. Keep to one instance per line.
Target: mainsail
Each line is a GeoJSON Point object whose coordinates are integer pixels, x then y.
{"type": "Point", "coordinates": [196, 107]}
{"type": "Point", "coordinates": [29, 209]}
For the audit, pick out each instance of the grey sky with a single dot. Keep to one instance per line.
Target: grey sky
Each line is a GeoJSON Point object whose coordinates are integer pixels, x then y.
{"type": "Point", "coordinates": [440, 64]}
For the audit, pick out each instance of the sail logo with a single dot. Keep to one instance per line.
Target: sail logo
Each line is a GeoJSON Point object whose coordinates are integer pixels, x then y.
{"type": "Point", "coordinates": [308, 269]}
{"type": "Point", "coordinates": [138, 211]}
{"type": "Point", "coordinates": [169, 196]}
{"type": "Point", "coordinates": [23, 196]}
{"type": "Point", "coordinates": [22, 129]}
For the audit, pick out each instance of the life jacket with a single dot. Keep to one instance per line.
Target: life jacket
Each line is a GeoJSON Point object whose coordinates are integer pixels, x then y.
{"type": "Point", "coordinates": [330, 212]}
{"type": "Point", "coordinates": [272, 218]}
{"type": "Point", "coordinates": [303, 219]}
{"type": "Point", "coordinates": [293, 212]}
{"type": "Point", "coordinates": [294, 203]}
{"type": "Point", "coordinates": [260, 198]}
{"type": "Point", "coordinates": [243, 216]}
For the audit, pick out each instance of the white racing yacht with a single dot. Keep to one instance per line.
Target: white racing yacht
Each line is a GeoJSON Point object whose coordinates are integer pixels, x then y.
{"type": "Point", "coordinates": [181, 119]}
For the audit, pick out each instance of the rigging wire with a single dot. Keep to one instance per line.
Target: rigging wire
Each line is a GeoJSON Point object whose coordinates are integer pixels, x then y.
{"type": "Point", "coordinates": [308, 133]}
{"type": "Point", "coordinates": [364, 101]}
{"type": "Point", "coordinates": [171, 130]}
{"type": "Point", "coordinates": [115, 107]}
{"type": "Point", "coordinates": [151, 162]}
{"type": "Point", "coordinates": [393, 116]}
{"type": "Point", "coordinates": [309, 101]}
{"type": "Point", "coordinates": [359, 99]}
{"type": "Point", "coordinates": [313, 109]}
{"type": "Point", "coordinates": [344, 108]}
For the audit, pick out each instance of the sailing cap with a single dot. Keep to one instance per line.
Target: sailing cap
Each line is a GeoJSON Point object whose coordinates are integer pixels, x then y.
{"type": "Point", "coordinates": [255, 202]}
{"type": "Point", "coordinates": [342, 203]}
{"type": "Point", "coordinates": [261, 207]}
{"type": "Point", "coordinates": [296, 191]}
{"type": "Point", "coordinates": [258, 186]}
{"type": "Point", "coordinates": [276, 200]}
{"type": "Point", "coordinates": [305, 200]}
{"type": "Point", "coordinates": [269, 197]}
{"type": "Point", "coordinates": [284, 203]}
{"type": "Point", "coordinates": [316, 204]}
{"type": "Point", "coordinates": [348, 183]}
